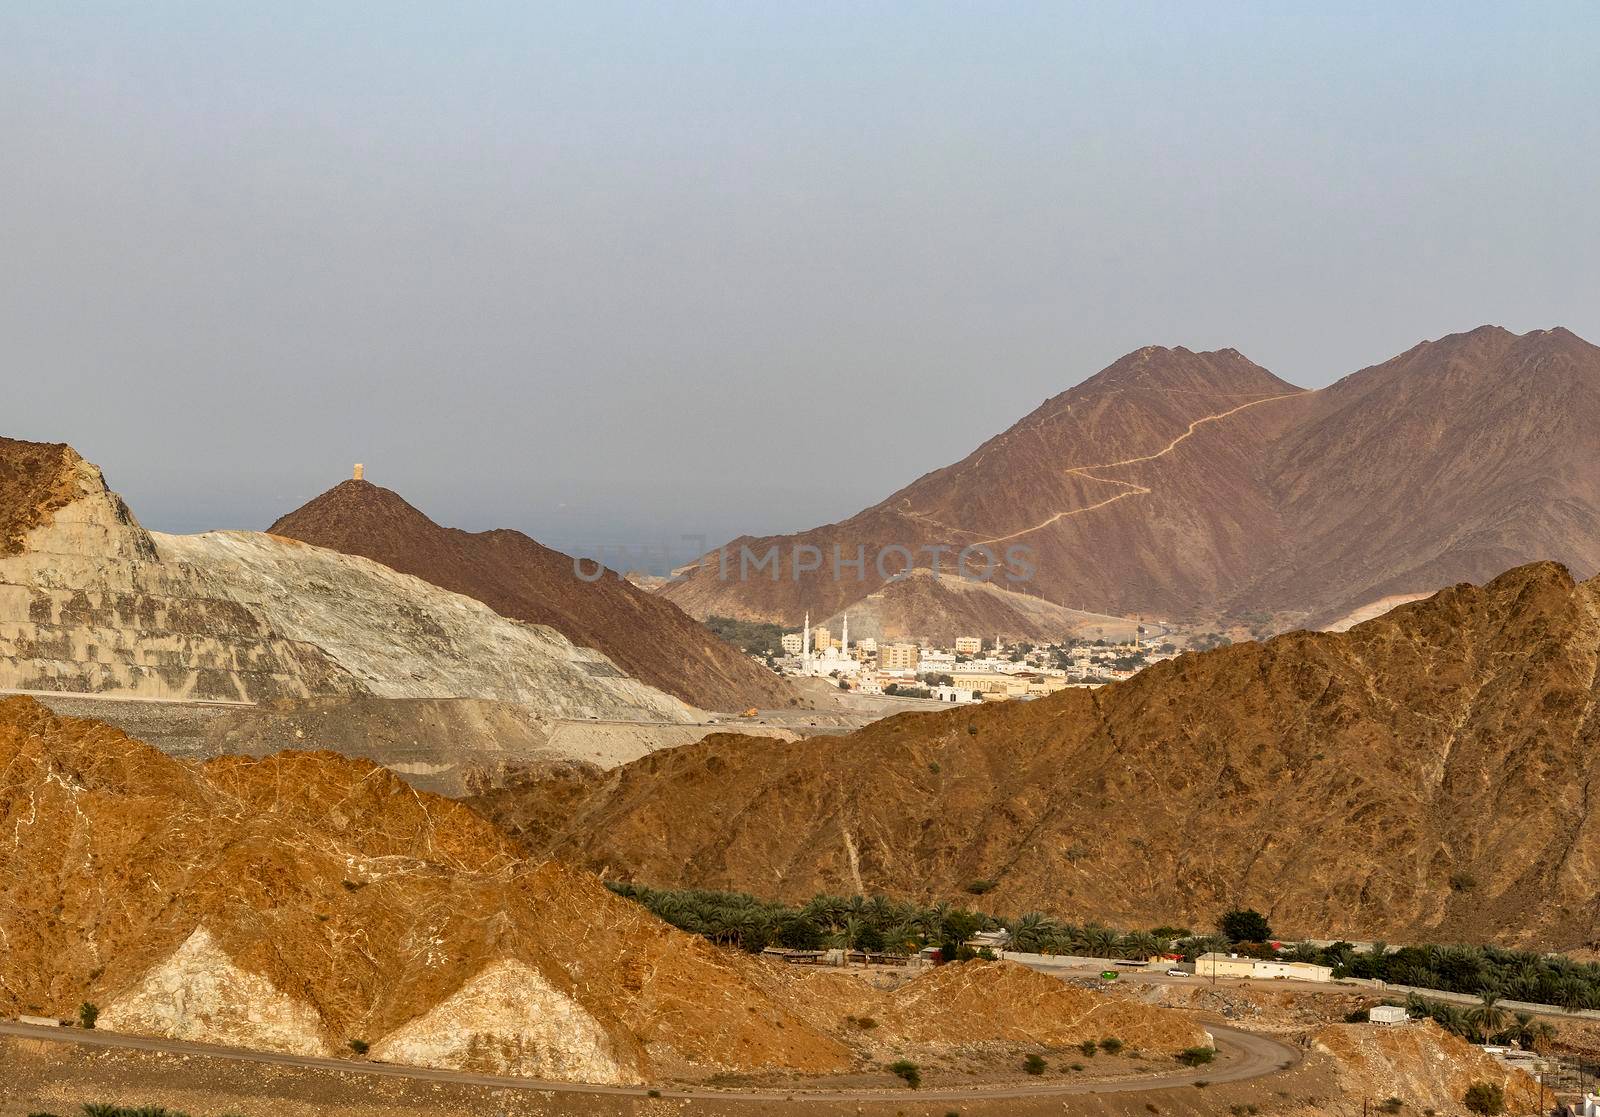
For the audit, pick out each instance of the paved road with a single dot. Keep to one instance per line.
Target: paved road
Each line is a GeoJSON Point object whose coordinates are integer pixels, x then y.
{"type": "Point", "coordinates": [1250, 1056]}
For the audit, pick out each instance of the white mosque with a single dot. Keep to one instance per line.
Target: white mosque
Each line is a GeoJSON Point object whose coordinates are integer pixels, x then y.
{"type": "Point", "coordinates": [830, 660]}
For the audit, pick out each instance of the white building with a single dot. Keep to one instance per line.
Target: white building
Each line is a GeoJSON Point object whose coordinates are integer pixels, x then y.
{"type": "Point", "coordinates": [1234, 965]}
{"type": "Point", "coordinates": [831, 660]}
{"type": "Point", "coordinates": [1387, 1014]}
{"type": "Point", "coordinates": [969, 645]}
{"type": "Point", "coordinates": [791, 642]}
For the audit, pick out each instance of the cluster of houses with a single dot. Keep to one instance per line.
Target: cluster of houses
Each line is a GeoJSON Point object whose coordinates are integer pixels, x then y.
{"type": "Point", "coordinates": [966, 672]}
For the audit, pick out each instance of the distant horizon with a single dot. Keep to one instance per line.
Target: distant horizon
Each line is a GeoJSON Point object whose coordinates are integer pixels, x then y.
{"type": "Point", "coordinates": [622, 273]}
{"type": "Point", "coordinates": [674, 550]}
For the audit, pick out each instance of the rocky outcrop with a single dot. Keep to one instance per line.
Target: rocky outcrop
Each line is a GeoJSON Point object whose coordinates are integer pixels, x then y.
{"type": "Point", "coordinates": [198, 993]}
{"type": "Point", "coordinates": [1424, 776]}
{"type": "Point", "coordinates": [305, 900]}
{"type": "Point", "coordinates": [91, 603]}
{"type": "Point", "coordinates": [1420, 1063]}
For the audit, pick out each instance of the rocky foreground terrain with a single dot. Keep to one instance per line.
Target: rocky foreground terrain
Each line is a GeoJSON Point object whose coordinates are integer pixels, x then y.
{"type": "Point", "coordinates": [1175, 483]}
{"type": "Point", "coordinates": [302, 901]}
{"type": "Point", "coordinates": [1424, 776]}
{"type": "Point", "coordinates": [646, 635]}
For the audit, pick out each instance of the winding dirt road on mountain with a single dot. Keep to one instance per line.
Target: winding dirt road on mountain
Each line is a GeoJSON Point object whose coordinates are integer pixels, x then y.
{"type": "Point", "coordinates": [1257, 1057]}
{"type": "Point", "coordinates": [1132, 488]}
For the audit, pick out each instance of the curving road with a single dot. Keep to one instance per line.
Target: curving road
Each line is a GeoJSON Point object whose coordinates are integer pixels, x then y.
{"type": "Point", "coordinates": [1258, 1056]}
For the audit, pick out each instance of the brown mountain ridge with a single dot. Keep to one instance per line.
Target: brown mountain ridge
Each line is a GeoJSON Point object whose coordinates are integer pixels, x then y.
{"type": "Point", "coordinates": [297, 902]}
{"type": "Point", "coordinates": [1177, 483]}
{"type": "Point", "coordinates": [647, 636]}
{"type": "Point", "coordinates": [1424, 776]}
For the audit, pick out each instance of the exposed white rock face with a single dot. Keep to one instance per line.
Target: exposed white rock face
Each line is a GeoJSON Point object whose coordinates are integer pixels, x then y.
{"type": "Point", "coordinates": [401, 637]}
{"type": "Point", "coordinates": [199, 994]}
{"type": "Point", "coordinates": [94, 604]}
{"type": "Point", "coordinates": [510, 1020]}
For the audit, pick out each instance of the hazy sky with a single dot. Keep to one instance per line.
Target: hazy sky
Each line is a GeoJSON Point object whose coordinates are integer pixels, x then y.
{"type": "Point", "coordinates": [617, 272]}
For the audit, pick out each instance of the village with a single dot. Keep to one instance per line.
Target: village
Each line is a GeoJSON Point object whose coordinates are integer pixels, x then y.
{"type": "Point", "coordinates": [970, 669]}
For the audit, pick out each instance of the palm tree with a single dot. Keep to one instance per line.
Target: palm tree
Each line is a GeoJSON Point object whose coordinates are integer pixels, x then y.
{"type": "Point", "coordinates": [1452, 1019]}
{"type": "Point", "coordinates": [1099, 942]}
{"type": "Point", "coordinates": [1304, 952]}
{"type": "Point", "coordinates": [1030, 933]}
{"type": "Point", "coordinates": [1488, 1017]}
{"type": "Point", "coordinates": [1139, 944]}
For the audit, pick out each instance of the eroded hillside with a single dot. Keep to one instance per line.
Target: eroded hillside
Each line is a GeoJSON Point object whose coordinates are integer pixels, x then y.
{"type": "Point", "coordinates": [297, 902]}
{"type": "Point", "coordinates": [647, 636]}
{"type": "Point", "coordinates": [1181, 483]}
{"type": "Point", "coordinates": [1423, 775]}
{"type": "Point", "coordinates": [92, 603]}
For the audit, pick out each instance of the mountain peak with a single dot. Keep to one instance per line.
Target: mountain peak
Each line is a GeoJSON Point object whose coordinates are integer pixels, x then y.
{"type": "Point", "coordinates": [1226, 372]}
{"type": "Point", "coordinates": [518, 577]}
{"type": "Point", "coordinates": [352, 509]}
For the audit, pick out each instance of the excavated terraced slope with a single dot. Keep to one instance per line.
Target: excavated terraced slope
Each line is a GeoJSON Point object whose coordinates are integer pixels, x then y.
{"type": "Point", "coordinates": [646, 635]}
{"type": "Point", "coordinates": [297, 902]}
{"type": "Point", "coordinates": [1181, 483]}
{"type": "Point", "coordinates": [1424, 776]}
{"type": "Point", "coordinates": [92, 603]}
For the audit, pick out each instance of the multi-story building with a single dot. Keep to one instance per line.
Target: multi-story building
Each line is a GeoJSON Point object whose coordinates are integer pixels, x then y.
{"type": "Point", "coordinates": [969, 645]}
{"type": "Point", "coordinates": [791, 642]}
{"type": "Point", "coordinates": [899, 657]}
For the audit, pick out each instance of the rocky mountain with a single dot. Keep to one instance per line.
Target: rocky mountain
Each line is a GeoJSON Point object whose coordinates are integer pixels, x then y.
{"type": "Point", "coordinates": [239, 641]}
{"type": "Point", "coordinates": [646, 635]}
{"type": "Point", "coordinates": [298, 902]}
{"type": "Point", "coordinates": [1423, 776]}
{"type": "Point", "coordinates": [1180, 483]}
{"type": "Point", "coordinates": [92, 603]}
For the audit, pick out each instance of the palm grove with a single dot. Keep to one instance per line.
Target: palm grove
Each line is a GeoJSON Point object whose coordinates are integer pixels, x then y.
{"type": "Point", "coordinates": [878, 924]}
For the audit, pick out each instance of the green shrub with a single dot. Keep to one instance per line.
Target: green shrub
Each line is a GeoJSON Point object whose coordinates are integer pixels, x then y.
{"type": "Point", "coordinates": [1486, 1098]}
{"type": "Point", "coordinates": [359, 1046]}
{"type": "Point", "coordinates": [907, 1071]}
{"type": "Point", "coordinates": [1034, 1064]}
{"type": "Point", "coordinates": [88, 1014]}
{"type": "Point", "coordinates": [1197, 1056]}
{"type": "Point", "coordinates": [979, 887]}
{"type": "Point", "coordinates": [1244, 925]}
{"type": "Point", "coordinates": [1111, 1045]}
{"type": "Point", "coordinates": [1089, 1047]}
